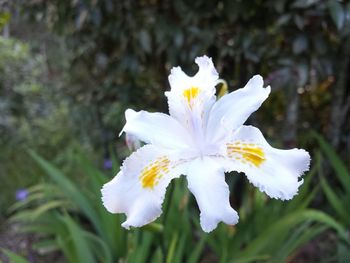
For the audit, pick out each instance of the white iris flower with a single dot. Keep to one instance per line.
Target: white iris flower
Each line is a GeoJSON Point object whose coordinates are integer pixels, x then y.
{"type": "Point", "coordinates": [201, 138]}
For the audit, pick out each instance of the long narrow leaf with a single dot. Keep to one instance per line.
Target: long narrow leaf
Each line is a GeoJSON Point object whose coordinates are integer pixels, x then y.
{"type": "Point", "coordinates": [70, 189]}
{"type": "Point", "coordinates": [338, 165]}
{"type": "Point", "coordinates": [79, 244]}
{"type": "Point", "coordinates": [13, 257]}
{"type": "Point", "coordinates": [339, 204]}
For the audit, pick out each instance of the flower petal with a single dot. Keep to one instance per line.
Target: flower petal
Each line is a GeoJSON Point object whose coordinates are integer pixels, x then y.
{"type": "Point", "coordinates": [191, 98]}
{"type": "Point", "coordinates": [233, 109]}
{"type": "Point", "coordinates": [273, 171]}
{"type": "Point", "coordinates": [156, 128]}
{"type": "Point", "coordinates": [138, 190]}
{"type": "Point", "coordinates": [206, 180]}
{"type": "Point", "coordinates": [192, 94]}
{"type": "Point", "coordinates": [205, 79]}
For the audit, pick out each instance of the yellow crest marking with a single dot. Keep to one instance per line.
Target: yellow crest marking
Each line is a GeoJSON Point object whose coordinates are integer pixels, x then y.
{"type": "Point", "coordinates": [151, 174]}
{"type": "Point", "coordinates": [191, 94]}
{"type": "Point", "coordinates": [246, 153]}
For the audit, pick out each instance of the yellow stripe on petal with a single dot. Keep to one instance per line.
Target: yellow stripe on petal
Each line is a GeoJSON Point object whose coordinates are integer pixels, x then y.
{"type": "Point", "coordinates": [191, 94]}
{"type": "Point", "coordinates": [152, 173]}
{"type": "Point", "coordinates": [246, 153]}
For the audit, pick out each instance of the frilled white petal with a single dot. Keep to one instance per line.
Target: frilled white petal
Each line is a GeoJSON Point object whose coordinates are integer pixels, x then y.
{"type": "Point", "coordinates": [207, 74]}
{"type": "Point", "coordinates": [192, 95]}
{"type": "Point", "coordinates": [191, 98]}
{"type": "Point", "coordinates": [206, 180]}
{"type": "Point", "coordinates": [205, 79]}
{"type": "Point", "coordinates": [157, 128]}
{"type": "Point", "coordinates": [138, 190]}
{"type": "Point", "coordinates": [233, 109]}
{"type": "Point", "coordinates": [275, 172]}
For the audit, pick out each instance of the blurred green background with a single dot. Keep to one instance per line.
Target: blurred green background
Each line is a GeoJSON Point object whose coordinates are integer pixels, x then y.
{"type": "Point", "coordinates": [70, 68]}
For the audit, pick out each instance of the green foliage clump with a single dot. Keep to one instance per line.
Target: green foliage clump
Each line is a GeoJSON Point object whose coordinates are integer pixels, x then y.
{"type": "Point", "coordinates": [338, 196]}
{"type": "Point", "coordinates": [71, 218]}
{"type": "Point", "coordinates": [33, 114]}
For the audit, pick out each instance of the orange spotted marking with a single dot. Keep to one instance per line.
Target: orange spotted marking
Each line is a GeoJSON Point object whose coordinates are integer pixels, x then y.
{"type": "Point", "coordinates": [246, 153]}
{"type": "Point", "coordinates": [152, 173]}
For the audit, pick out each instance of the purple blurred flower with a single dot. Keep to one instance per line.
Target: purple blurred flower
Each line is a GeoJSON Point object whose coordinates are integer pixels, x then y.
{"type": "Point", "coordinates": [21, 194]}
{"type": "Point", "coordinates": [107, 164]}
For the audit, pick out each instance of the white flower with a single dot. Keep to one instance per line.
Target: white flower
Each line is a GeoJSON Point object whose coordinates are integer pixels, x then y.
{"type": "Point", "coordinates": [202, 139]}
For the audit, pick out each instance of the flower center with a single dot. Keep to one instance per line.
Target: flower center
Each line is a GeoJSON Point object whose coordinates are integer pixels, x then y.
{"type": "Point", "coordinates": [191, 94]}
{"type": "Point", "coordinates": [246, 153]}
{"type": "Point", "coordinates": [152, 173]}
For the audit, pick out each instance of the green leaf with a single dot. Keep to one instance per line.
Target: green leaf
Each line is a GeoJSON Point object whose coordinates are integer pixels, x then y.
{"type": "Point", "coordinates": [4, 19]}
{"type": "Point", "coordinates": [339, 204]}
{"type": "Point", "coordinates": [22, 204]}
{"type": "Point", "coordinates": [70, 190]}
{"type": "Point", "coordinates": [153, 227]}
{"type": "Point", "coordinates": [66, 248]}
{"type": "Point", "coordinates": [99, 247]}
{"type": "Point", "coordinates": [195, 255]}
{"type": "Point", "coordinates": [13, 257]}
{"type": "Point", "coordinates": [170, 255]}
{"type": "Point", "coordinates": [158, 256]}
{"type": "Point", "coordinates": [46, 207]}
{"type": "Point", "coordinates": [260, 258]}
{"type": "Point", "coordinates": [145, 41]}
{"type": "Point", "coordinates": [80, 246]}
{"type": "Point", "coordinates": [299, 21]}
{"type": "Point", "coordinates": [299, 236]}
{"type": "Point", "coordinates": [285, 223]}
{"type": "Point", "coordinates": [304, 3]}
{"type": "Point", "coordinates": [338, 165]}
{"type": "Point", "coordinates": [299, 44]}
{"type": "Point", "coordinates": [337, 13]}
{"type": "Point", "coordinates": [343, 252]}
{"type": "Point", "coordinates": [46, 246]}
{"type": "Point", "coordinates": [114, 236]}
{"type": "Point", "coordinates": [179, 252]}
